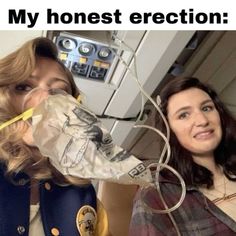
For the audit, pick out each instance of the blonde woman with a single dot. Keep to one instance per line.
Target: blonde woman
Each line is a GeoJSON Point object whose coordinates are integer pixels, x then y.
{"type": "Point", "coordinates": [35, 199]}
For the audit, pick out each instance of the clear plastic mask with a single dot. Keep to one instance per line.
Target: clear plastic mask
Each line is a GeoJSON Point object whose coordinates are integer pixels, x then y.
{"type": "Point", "coordinates": [31, 100]}
{"type": "Point", "coordinates": [37, 95]}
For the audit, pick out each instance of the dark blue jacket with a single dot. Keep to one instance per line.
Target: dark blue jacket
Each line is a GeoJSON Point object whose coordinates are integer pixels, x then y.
{"type": "Point", "coordinates": [58, 206]}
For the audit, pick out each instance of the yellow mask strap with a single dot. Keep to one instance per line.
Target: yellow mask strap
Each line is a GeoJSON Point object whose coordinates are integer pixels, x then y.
{"type": "Point", "coordinates": [79, 99]}
{"type": "Point", "coordinates": [24, 116]}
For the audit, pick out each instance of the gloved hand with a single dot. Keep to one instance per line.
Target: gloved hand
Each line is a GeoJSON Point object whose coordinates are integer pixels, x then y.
{"type": "Point", "coordinates": [76, 143]}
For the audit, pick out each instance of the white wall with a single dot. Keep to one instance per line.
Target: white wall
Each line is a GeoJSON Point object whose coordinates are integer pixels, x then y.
{"type": "Point", "coordinates": [11, 40]}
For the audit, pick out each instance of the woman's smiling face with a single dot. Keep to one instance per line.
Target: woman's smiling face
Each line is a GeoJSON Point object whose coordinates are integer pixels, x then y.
{"type": "Point", "coordinates": [195, 121]}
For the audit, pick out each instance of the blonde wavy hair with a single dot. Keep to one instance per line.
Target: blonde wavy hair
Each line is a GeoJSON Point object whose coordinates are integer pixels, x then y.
{"type": "Point", "coordinates": [15, 155]}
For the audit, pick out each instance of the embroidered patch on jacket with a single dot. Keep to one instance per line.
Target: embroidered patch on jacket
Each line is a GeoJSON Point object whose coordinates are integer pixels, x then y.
{"type": "Point", "coordinates": [86, 220]}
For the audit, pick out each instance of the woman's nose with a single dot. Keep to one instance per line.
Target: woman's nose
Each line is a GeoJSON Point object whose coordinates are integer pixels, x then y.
{"type": "Point", "coordinates": [35, 98]}
{"type": "Point", "coordinates": [201, 119]}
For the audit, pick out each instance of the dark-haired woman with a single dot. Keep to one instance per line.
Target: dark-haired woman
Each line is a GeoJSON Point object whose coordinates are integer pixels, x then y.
{"type": "Point", "coordinates": [203, 151]}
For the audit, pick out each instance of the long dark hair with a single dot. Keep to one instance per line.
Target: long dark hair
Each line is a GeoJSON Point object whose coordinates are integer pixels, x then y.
{"type": "Point", "coordinates": [225, 154]}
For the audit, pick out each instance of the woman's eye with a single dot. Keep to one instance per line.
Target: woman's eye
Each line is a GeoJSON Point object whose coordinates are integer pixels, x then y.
{"type": "Point", "coordinates": [64, 89]}
{"type": "Point", "coordinates": [208, 108]}
{"type": "Point", "coordinates": [183, 115]}
{"type": "Point", "coordinates": [61, 88]}
{"type": "Point", "coordinates": [54, 91]}
{"type": "Point", "coordinates": [23, 87]}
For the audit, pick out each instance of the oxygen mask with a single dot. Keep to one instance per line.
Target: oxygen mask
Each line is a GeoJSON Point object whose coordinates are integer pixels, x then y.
{"type": "Point", "coordinates": [30, 101]}
{"type": "Point", "coordinates": [37, 95]}
{"type": "Point", "coordinates": [75, 141]}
